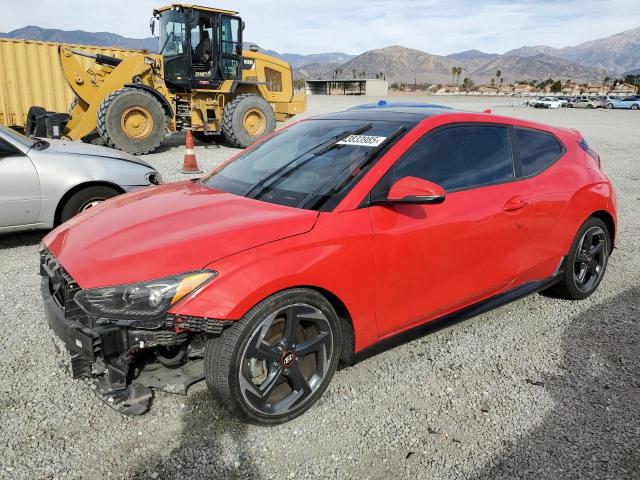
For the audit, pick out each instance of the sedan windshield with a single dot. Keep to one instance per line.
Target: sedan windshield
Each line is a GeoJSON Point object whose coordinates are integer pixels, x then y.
{"type": "Point", "coordinates": [310, 165]}
{"type": "Point", "coordinates": [17, 137]}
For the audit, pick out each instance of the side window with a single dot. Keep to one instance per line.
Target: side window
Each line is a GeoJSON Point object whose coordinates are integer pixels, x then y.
{"type": "Point", "coordinates": [538, 150]}
{"type": "Point", "coordinates": [460, 157]}
{"type": "Point", "coordinates": [6, 150]}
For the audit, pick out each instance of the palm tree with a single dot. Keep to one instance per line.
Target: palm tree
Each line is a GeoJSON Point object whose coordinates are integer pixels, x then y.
{"type": "Point", "coordinates": [459, 73]}
{"type": "Point", "coordinates": [454, 70]}
{"type": "Point", "coordinates": [498, 76]}
{"type": "Point", "coordinates": [355, 73]}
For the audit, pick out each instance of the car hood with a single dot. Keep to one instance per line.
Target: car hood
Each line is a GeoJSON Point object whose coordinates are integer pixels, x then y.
{"type": "Point", "coordinates": [68, 147]}
{"type": "Point", "coordinates": [167, 230]}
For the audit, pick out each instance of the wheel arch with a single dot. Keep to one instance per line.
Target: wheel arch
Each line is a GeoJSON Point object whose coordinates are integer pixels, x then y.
{"type": "Point", "coordinates": [75, 189]}
{"type": "Point", "coordinates": [168, 109]}
{"type": "Point", "coordinates": [608, 221]}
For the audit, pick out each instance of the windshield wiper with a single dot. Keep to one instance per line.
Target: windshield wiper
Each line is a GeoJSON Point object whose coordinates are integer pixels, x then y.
{"type": "Point", "coordinates": [323, 147]}
{"type": "Point", "coordinates": [370, 154]}
{"type": "Point", "coordinates": [169, 37]}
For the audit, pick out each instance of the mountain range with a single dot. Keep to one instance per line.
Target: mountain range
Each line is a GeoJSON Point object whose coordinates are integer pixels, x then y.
{"type": "Point", "coordinates": [611, 56]}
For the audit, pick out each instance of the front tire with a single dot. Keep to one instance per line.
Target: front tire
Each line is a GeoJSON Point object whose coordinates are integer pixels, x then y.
{"type": "Point", "coordinates": [610, 106]}
{"type": "Point", "coordinates": [85, 199]}
{"type": "Point", "coordinates": [635, 106]}
{"type": "Point", "coordinates": [587, 261]}
{"type": "Point", "coordinates": [276, 361]}
{"type": "Point", "coordinates": [246, 119]}
{"type": "Point", "coordinates": [131, 120]}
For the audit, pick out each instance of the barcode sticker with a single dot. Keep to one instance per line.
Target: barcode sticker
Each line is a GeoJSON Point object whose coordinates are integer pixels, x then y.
{"type": "Point", "coordinates": [362, 140]}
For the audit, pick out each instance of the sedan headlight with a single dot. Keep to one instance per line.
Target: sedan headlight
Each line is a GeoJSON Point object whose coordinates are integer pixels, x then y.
{"type": "Point", "coordinates": [146, 301]}
{"type": "Point", "coordinates": [154, 178]}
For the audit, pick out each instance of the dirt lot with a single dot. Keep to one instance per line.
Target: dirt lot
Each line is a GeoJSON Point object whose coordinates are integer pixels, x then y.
{"type": "Point", "coordinates": [541, 388]}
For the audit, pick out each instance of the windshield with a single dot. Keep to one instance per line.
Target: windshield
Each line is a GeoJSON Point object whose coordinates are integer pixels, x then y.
{"type": "Point", "coordinates": [17, 137]}
{"type": "Point", "coordinates": [303, 166]}
{"type": "Point", "coordinates": [173, 33]}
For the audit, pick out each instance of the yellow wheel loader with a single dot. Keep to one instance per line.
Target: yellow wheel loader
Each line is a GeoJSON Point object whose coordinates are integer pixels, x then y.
{"type": "Point", "coordinates": [201, 80]}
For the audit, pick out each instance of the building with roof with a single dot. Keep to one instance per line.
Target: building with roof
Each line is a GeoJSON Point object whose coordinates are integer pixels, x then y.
{"type": "Point", "coordinates": [358, 86]}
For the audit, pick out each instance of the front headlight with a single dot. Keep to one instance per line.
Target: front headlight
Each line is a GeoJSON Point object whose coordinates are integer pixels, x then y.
{"type": "Point", "coordinates": [154, 178]}
{"type": "Point", "coordinates": [146, 301]}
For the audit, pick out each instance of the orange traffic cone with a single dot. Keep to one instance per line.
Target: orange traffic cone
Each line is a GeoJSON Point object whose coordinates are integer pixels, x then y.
{"type": "Point", "coordinates": [190, 164]}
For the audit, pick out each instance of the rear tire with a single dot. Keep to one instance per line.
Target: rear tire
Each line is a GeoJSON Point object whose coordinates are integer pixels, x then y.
{"type": "Point", "coordinates": [247, 119]}
{"type": "Point", "coordinates": [609, 106]}
{"type": "Point", "coordinates": [587, 260]}
{"type": "Point", "coordinates": [635, 106]}
{"type": "Point", "coordinates": [85, 199]}
{"type": "Point", "coordinates": [131, 120]}
{"type": "Point", "coordinates": [275, 362]}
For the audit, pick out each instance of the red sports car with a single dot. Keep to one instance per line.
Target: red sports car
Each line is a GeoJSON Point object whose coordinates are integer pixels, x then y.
{"type": "Point", "coordinates": [336, 235]}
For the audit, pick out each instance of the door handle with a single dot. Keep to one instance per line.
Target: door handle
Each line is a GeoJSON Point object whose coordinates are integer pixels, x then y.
{"type": "Point", "coordinates": [514, 203]}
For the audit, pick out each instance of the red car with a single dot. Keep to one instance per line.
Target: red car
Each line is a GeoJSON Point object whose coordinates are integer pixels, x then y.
{"type": "Point", "coordinates": [335, 236]}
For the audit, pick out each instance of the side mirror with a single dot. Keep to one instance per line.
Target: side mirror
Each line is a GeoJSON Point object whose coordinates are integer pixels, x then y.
{"type": "Point", "coordinates": [413, 190]}
{"type": "Point", "coordinates": [152, 25]}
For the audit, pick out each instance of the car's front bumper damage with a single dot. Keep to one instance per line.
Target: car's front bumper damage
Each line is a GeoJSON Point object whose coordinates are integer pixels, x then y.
{"type": "Point", "coordinates": [125, 362]}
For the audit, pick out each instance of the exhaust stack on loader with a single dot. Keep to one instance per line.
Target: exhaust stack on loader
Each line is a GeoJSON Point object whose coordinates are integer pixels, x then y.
{"type": "Point", "coordinates": [201, 80]}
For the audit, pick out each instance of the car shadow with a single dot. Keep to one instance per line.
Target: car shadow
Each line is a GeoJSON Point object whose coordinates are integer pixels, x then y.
{"type": "Point", "coordinates": [24, 239]}
{"type": "Point", "coordinates": [212, 445]}
{"type": "Point", "coordinates": [593, 431]}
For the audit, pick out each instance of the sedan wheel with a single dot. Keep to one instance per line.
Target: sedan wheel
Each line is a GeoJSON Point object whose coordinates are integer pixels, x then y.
{"type": "Point", "coordinates": [85, 199]}
{"type": "Point", "coordinates": [609, 106]}
{"type": "Point", "coordinates": [273, 364]}
{"type": "Point", "coordinates": [635, 106]}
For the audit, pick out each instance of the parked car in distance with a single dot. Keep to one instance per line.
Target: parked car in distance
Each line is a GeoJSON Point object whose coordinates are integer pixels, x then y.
{"type": "Point", "coordinates": [632, 102]}
{"type": "Point", "coordinates": [338, 236]}
{"type": "Point", "coordinates": [605, 100]}
{"type": "Point", "coordinates": [583, 103]}
{"type": "Point", "coordinates": [45, 183]}
{"type": "Point", "coordinates": [548, 102]}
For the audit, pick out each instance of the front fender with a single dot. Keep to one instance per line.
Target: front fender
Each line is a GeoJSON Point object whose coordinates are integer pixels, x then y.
{"type": "Point", "coordinates": [335, 256]}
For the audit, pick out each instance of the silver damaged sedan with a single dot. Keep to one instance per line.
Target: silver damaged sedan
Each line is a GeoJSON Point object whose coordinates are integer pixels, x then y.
{"type": "Point", "coordinates": [45, 183]}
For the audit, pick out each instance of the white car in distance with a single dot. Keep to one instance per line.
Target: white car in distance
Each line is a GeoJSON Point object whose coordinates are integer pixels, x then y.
{"type": "Point", "coordinates": [548, 102]}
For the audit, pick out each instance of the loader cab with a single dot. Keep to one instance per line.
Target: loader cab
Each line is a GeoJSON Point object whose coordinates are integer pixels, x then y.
{"type": "Point", "coordinates": [201, 47]}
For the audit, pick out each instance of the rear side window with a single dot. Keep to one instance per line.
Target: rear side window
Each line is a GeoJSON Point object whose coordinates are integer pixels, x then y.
{"type": "Point", "coordinates": [461, 157]}
{"type": "Point", "coordinates": [538, 150]}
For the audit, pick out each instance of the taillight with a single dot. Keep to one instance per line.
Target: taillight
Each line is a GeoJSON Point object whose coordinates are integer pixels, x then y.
{"type": "Point", "coordinates": [585, 146]}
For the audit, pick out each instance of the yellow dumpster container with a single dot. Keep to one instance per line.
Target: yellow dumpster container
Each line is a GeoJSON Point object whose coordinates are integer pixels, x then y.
{"type": "Point", "coordinates": [30, 74]}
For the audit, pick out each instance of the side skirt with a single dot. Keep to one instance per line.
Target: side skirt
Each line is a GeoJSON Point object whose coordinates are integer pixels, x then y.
{"type": "Point", "coordinates": [464, 314]}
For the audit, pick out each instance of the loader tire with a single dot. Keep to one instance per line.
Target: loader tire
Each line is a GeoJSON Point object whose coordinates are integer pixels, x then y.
{"type": "Point", "coordinates": [131, 120]}
{"type": "Point", "coordinates": [246, 119]}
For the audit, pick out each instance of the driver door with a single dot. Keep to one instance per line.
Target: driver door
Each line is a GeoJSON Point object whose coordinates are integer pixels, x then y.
{"type": "Point", "coordinates": [432, 260]}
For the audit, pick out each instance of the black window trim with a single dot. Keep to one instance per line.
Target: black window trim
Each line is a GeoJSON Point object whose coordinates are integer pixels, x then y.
{"type": "Point", "coordinates": [563, 149]}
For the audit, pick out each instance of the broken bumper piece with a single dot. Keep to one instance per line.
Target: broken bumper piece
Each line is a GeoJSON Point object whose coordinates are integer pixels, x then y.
{"type": "Point", "coordinates": [124, 363]}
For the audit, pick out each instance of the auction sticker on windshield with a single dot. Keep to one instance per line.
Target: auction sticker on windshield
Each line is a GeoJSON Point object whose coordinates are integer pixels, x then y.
{"type": "Point", "coordinates": [362, 140]}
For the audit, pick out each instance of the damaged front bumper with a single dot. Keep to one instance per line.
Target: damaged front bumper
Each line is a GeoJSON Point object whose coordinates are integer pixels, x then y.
{"type": "Point", "coordinates": [124, 363]}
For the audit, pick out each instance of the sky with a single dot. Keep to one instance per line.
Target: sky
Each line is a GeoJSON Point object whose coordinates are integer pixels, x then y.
{"type": "Point", "coordinates": [436, 26]}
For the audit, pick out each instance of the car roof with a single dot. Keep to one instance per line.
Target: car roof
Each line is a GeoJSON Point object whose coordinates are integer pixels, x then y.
{"type": "Point", "coordinates": [389, 111]}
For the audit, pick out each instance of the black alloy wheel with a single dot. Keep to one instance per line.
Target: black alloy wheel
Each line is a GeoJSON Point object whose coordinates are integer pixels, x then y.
{"type": "Point", "coordinates": [286, 359]}
{"type": "Point", "coordinates": [274, 363]}
{"type": "Point", "coordinates": [589, 263]}
{"type": "Point", "coordinates": [586, 262]}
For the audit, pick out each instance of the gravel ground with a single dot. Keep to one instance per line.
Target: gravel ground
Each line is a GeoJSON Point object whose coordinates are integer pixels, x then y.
{"type": "Point", "coordinates": [541, 388]}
